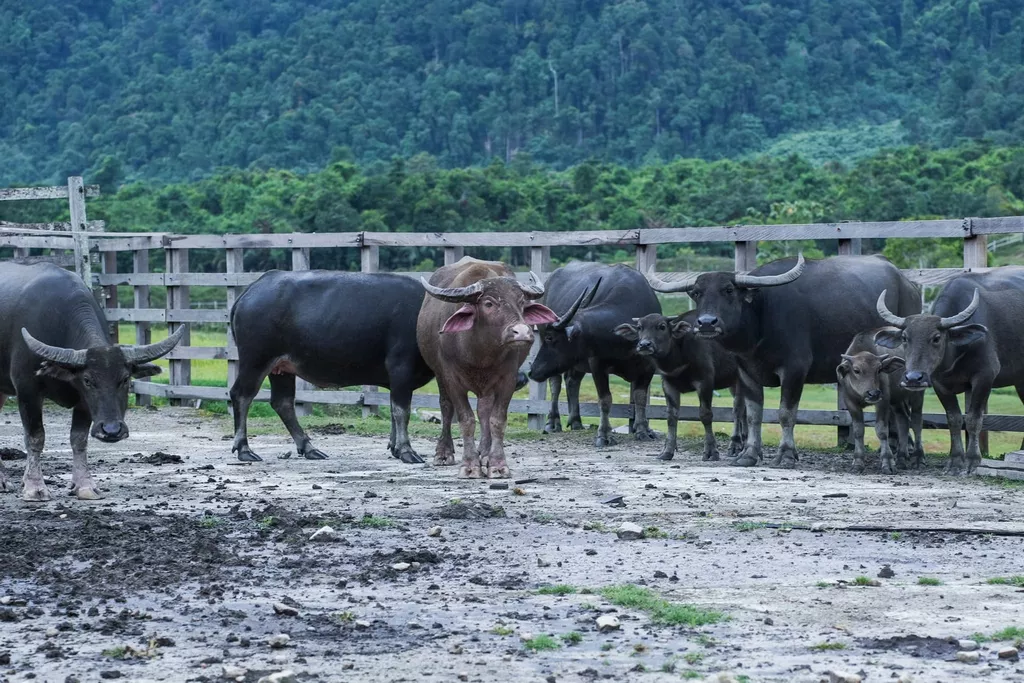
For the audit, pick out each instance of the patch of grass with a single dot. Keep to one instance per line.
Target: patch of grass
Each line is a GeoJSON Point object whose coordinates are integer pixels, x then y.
{"type": "Point", "coordinates": [827, 646]}
{"type": "Point", "coordinates": [743, 678]}
{"type": "Point", "coordinates": [210, 521]}
{"type": "Point", "coordinates": [864, 581]}
{"type": "Point", "coordinates": [705, 640]}
{"type": "Point", "coordinates": [267, 522]}
{"type": "Point", "coordinates": [374, 522]}
{"type": "Point", "coordinates": [543, 517]}
{"type": "Point", "coordinates": [896, 535]}
{"type": "Point", "coordinates": [669, 665]}
{"type": "Point", "coordinates": [595, 526]}
{"type": "Point", "coordinates": [690, 674]}
{"type": "Point", "coordinates": [1017, 581]}
{"type": "Point", "coordinates": [928, 581]}
{"type": "Point", "coordinates": [606, 647]}
{"type": "Point", "coordinates": [748, 526]}
{"type": "Point", "coordinates": [343, 617]}
{"type": "Point", "coordinates": [1009, 633]}
{"type": "Point", "coordinates": [502, 630]}
{"type": "Point", "coordinates": [693, 658]}
{"type": "Point", "coordinates": [661, 610]}
{"type": "Point", "coordinates": [572, 638]}
{"type": "Point", "coordinates": [639, 649]}
{"type": "Point", "coordinates": [654, 532]}
{"type": "Point", "coordinates": [823, 584]}
{"type": "Point", "coordinates": [559, 589]}
{"type": "Point", "coordinates": [541, 642]}
{"type": "Point", "coordinates": [118, 652]}
{"type": "Point", "coordinates": [588, 606]}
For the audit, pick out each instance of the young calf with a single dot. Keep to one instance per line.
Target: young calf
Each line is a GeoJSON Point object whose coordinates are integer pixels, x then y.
{"type": "Point", "coordinates": [688, 363]}
{"type": "Point", "coordinates": [864, 380]}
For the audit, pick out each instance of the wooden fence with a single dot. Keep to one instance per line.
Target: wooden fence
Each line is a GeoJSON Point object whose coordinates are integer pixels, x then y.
{"type": "Point", "coordinates": [178, 278]}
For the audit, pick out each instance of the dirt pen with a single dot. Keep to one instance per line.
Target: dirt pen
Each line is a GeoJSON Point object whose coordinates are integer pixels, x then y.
{"type": "Point", "coordinates": [198, 568]}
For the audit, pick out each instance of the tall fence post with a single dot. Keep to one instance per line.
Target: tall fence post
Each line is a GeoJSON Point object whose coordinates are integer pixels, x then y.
{"type": "Point", "coordinates": [976, 256]}
{"type": "Point", "coordinates": [369, 259]}
{"type": "Point", "coordinates": [76, 205]}
{"type": "Point", "coordinates": [234, 263]}
{"type": "Point", "coordinates": [178, 299]}
{"type": "Point", "coordinates": [110, 294]}
{"type": "Point", "coordinates": [848, 247]}
{"type": "Point", "coordinates": [300, 261]}
{"type": "Point", "coordinates": [540, 263]}
{"type": "Point", "coordinates": [143, 334]}
{"type": "Point", "coordinates": [451, 254]}
{"type": "Point", "coordinates": [745, 257]}
{"type": "Point", "coordinates": [646, 257]}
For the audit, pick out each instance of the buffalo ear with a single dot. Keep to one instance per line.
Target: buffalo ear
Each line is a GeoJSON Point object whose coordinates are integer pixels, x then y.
{"type": "Point", "coordinates": [460, 321]}
{"type": "Point", "coordinates": [538, 314]}
{"type": "Point", "coordinates": [680, 328]}
{"type": "Point", "coordinates": [890, 337]}
{"type": "Point", "coordinates": [892, 364]}
{"type": "Point", "coordinates": [962, 335]}
{"type": "Point", "coordinates": [628, 332]}
{"type": "Point", "coordinates": [56, 371]}
{"type": "Point", "coordinates": [843, 369]}
{"type": "Point", "coordinates": [145, 370]}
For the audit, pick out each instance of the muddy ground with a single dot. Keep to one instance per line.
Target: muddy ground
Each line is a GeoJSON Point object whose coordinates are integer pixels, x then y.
{"type": "Point", "coordinates": [176, 573]}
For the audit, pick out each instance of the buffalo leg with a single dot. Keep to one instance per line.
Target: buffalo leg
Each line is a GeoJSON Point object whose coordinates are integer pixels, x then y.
{"type": "Point", "coordinates": [282, 400]}
{"type": "Point", "coordinates": [33, 487]}
{"type": "Point", "coordinates": [1020, 395]}
{"type": "Point", "coordinates": [484, 407]}
{"type": "Point", "coordinates": [706, 394]}
{"type": "Point", "coordinates": [573, 380]}
{"type": "Point", "coordinates": [401, 445]}
{"type": "Point", "coordinates": [672, 403]}
{"type": "Point", "coordinates": [955, 420]}
{"type": "Point", "coordinates": [884, 421]}
{"type": "Point", "coordinates": [497, 418]}
{"type": "Point", "coordinates": [554, 423]}
{"type": "Point", "coordinates": [467, 426]}
{"type": "Point", "coordinates": [638, 391]}
{"type": "Point", "coordinates": [243, 391]}
{"type": "Point", "coordinates": [604, 397]}
{"type": "Point", "coordinates": [4, 485]}
{"type": "Point", "coordinates": [792, 388]}
{"type": "Point", "coordinates": [916, 407]}
{"type": "Point", "coordinates": [753, 395]}
{"type": "Point", "coordinates": [899, 415]}
{"type": "Point", "coordinates": [975, 417]}
{"type": "Point", "coordinates": [82, 484]}
{"type": "Point", "coordinates": [444, 454]}
{"type": "Point", "coordinates": [857, 434]}
{"type": "Point", "coordinates": [739, 421]}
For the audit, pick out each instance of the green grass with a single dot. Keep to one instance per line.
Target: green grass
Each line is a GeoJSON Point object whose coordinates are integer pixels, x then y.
{"type": "Point", "coordinates": [660, 610]}
{"type": "Point", "coordinates": [690, 675]}
{"type": "Point", "coordinates": [705, 640]}
{"type": "Point", "coordinates": [1008, 633]}
{"type": "Point", "coordinates": [823, 584]}
{"type": "Point", "coordinates": [210, 521]}
{"type": "Point", "coordinates": [572, 638]}
{"type": "Point", "coordinates": [827, 646]}
{"type": "Point", "coordinates": [343, 617]}
{"type": "Point", "coordinates": [693, 658]}
{"type": "Point", "coordinates": [374, 522]}
{"type": "Point", "coordinates": [654, 532]}
{"type": "Point", "coordinates": [606, 647]}
{"type": "Point", "coordinates": [864, 581]}
{"type": "Point", "coordinates": [502, 630]}
{"type": "Point", "coordinates": [928, 581]}
{"type": "Point", "coordinates": [669, 665]}
{"type": "Point", "coordinates": [748, 526]}
{"type": "Point", "coordinates": [119, 652]}
{"type": "Point", "coordinates": [541, 642]}
{"type": "Point", "coordinates": [560, 589]}
{"type": "Point", "coordinates": [895, 535]}
{"type": "Point", "coordinates": [1017, 581]}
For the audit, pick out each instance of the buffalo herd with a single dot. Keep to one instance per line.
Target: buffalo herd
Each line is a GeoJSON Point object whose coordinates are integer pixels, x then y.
{"type": "Point", "coordinates": [854, 321]}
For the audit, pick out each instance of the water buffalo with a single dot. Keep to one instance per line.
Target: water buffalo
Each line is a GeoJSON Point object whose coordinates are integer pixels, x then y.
{"type": "Point", "coordinates": [867, 377]}
{"type": "Point", "coordinates": [688, 363]}
{"type": "Point", "coordinates": [946, 352]}
{"type": "Point", "coordinates": [789, 322]}
{"type": "Point", "coordinates": [475, 330]}
{"type": "Point", "coordinates": [331, 329]}
{"type": "Point", "coordinates": [54, 345]}
{"type": "Point", "coordinates": [592, 300]}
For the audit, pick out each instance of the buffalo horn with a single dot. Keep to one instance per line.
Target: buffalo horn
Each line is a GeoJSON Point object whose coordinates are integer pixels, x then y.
{"type": "Point", "coordinates": [565, 319]}
{"type": "Point", "coordinates": [946, 323]}
{"type": "Point", "coordinates": [72, 358]}
{"type": "Point", "coordinates": [660, 285]}
{"type": "Point", "coordinates": [887, 315]}
{"type": "Point", "coordinates": [454, 295]}
{"type": "Point", "coordinates": [534, 291]}
{"type": "Point", "coordinates": [136, 355]}
{"type": "Point", "coordinates": [772, 280]}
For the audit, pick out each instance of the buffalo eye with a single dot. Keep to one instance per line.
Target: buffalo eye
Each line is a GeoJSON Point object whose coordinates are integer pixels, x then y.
{"type": "Point", "coordinates": [729, 290]}
{"type": "Point", "coordinates": [856, 371]}
{"type": "Point", "coordinates": [663, 327]}
{"type": "Point", "coordinates": [903, 337]}
{"type": "Point", "coordinates": [488, 305]}
{"type": "Point", "coordinates": [87, 381]}
{"type": "Point", "coordinates": [695, 293]}
{"type": "Point", "coordinates": [936, 339]}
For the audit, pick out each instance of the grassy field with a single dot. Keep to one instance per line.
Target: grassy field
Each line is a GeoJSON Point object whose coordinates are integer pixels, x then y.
{"type": "Point", "coordinates": [821, 397]}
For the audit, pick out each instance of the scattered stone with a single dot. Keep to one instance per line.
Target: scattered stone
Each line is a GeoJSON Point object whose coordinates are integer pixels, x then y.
{"type": "Point", "coordinates": [660, 575]}
{"type": "Point", "coordinates": [836, 495]}
{"type": "Point", "coordinates": [110, 674]}
{"type": "Point", "coordinates": [608, 622]}
{"type": "Point", "coordinates": [400, 566]}
{"type": "Point", "coordinates": [499, 486]}
{"type": "Point", "coordinates": [886, 572]}
{"type": "Point", "coordinates": [614, 500]}
{"type": "Point", "coordinates": [967, 645]}
{"type": "Point", "coordinates": [429, 416]}
{"type": "Point", "coordinates": [1010, 653]}
{"type": "Point", "coordinates": [362, 624]}
{"type": "Point", "coordinates": [685, 496]}
{"type": "Point", "coordinates": [279, 640]}
{"type": "Point", "coordinates": [232, 672]}
{"type": "Point", "coordinates": [370, 494]}
{"type": "Point", "coordinates": [286, 676]}
{"type": "Point", "coordinates": [543, 563]}
{"type": "Point", "coordinates": [630, 532]}
{"type": "Point", "coordinates": [971, 657]}
{"type": "Point", "coordinates": [284, 610]}
{"type": "Point", "coordinates": [463, 676]}
{"type": "Point", "coordinates": [843, 677]}
{"type": "Point", "coordinates": [768, 621]}
{"type": "Point", "coordinates": [524, 481]}
{"type": "Point", "coordinates": [798, 500]}
{"type": "Point", "coordinates": [519, 491]}
{"type": "Point", "coordinates": [325, 534]}
{"type": "Point", "coordinates": [434, 531]}
{"type": "Point", "coordinates": [161, 458]}
{"type": "Point", "coordinates": [818, 527]}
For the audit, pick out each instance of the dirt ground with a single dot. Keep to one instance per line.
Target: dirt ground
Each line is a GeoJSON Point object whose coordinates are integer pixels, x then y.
{"type": "Point", "coordinates": [175, 574]}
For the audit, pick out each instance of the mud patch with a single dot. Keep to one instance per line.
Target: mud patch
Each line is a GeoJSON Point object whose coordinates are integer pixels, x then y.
{"type": "Point", "coordinates": [463, 510]}
{"type": "Point", "coordinates": [914, 646]}
{"type": "Point", "coordinates": [12, 454]}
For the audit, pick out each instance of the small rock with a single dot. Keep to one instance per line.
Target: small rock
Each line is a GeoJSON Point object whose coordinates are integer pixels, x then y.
{"type": "Point", "coordinates": [499, 485]}
{"type": "Point", "coordinates": [1009, 653]}
{"type": "Point", "coordinates": [660, 575]}
{"type": "Point", "coordinates": [886, 573]}
{"type": "Point", "coordinates": [110, 674]}
{"type": "Point", "coordinates": [434, 531]}
{"type": "Point", "coordinates": [970, 657]}
{"type": "Point", "coordinates": [370, 494]}
{"type": "Point", "coordinates": [818, 527]}
{"type": "Point", "coordinates": [463, 676]}
{"type": "Point", "coordinates": [836, 495]}
{"type": "Point", "coordinates": [613, 500]}
{"type": "Point", "coordinates": [630, 532]}
{"type": "Point", "coordinates": [279, 640]}
{"type": "Point", "coordinates": [52, 632]}
{"type": "Point", "coordinates": [400, 566]}
{"type": "Point", "coordinates": [967, 645]}
{"type": "Point", "coordinates": [286, 676]}
{"type": "Point", "coordinates": [232, 672]}
{"type": "Point", "coordinates": [842, 677]}
{"type": "Point", "coordinates": [285, 610]}
{"type": "Point", "coordinates": [798, 500]}
{"type": "Point", "coordinates": [324, 534]}
{"type": "Point", "coordinates": [362, 624]}
{"type": "Point", "coordinates": [768, 621]}
{"type": "Point", "coordinates": [685, 496]}
{"type": "Point", "coordinates": [543, 563]}
{"type": "Point", "coordinates": [608, 622]}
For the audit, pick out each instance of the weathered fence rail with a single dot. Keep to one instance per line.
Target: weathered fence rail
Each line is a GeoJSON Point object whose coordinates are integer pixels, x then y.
{"type": "Point", "coordinates": [87, 238]}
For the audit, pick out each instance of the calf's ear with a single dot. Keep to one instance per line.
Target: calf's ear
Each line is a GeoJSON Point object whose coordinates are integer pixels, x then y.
{"type": "Point", "coordinates": [843, 369]}
{"type": "Point", "coordinates": [890, 337]}
{"type": "Point", "coordinates": [628, 332]}
{"type": "Point", "coordinates": [460, 321]}
{"type": "Point", "coordinates": [892, 364]}
{"type": "Point", "coordinates": [538, 314]}
{"type": "Point", "coordinates": [967, 334]}
{"type": "Point", "coordinates": [680, 328]}
{"type": "Point", "coordinates": [145, 370]}
{"type": "Point", "coordinates": [56, 371]}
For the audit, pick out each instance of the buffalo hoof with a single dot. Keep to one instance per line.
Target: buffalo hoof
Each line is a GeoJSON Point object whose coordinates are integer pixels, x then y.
{"type": "Point", "coordinates": [314, 454]}
{"type": "Point", "coordinates": [917, 461]}
{"type": "Point", "coordinates": [710, 456]}
{"type": "Point", "coordinates": [501, 471]}
{"type": "Point", "coordinates": [603, 441]}
{"type": "Point", "coordinates": [576, 425]}
{"type": "Point", "coordinates": [409, 456]}
{"type": "Point", "coordinates": [859, 466]}
{"type": "Point", "coordinates": [472, 471]}
{"type": "Point", "coordinates": [785, 461]}
{"type": "Point", "coordinates": [553, 427]}
{"type": "Point", "coordinates": [246, 455]}
{"type": "Point", "coordinates": [645, 434]}
{"type": "Point", "coordinates": [35, 494]}
{"type": "Point", "coordinates": [666, 455]}
{"type": "Point", "coordinates": [735, 448]}
{"type": "Point", "coordinates": [87, 493]}
{"type": "Point", "coordinates": [888, 467]}
{"type": "Point", "coordinates": [748, 457]}
{"type": "Point", "coordinates": [444, 458]}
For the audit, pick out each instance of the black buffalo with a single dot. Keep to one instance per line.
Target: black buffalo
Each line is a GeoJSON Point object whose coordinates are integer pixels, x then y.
{"type": "Point", "coordinates": [54, 345]}
{"type": "Point", "coordinates": [331, 329]}
{"type": "Point", "coordinates": [789, 322]}
{"type": "Point", "coordinates": [688, 363]}
{"type": "Point", "coordinates": [970, 343]}
{"type": "Point", "coordinates": [591, 300]}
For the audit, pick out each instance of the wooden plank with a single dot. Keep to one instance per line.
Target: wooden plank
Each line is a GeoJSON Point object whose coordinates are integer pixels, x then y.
{"type": "Point", "coordinates": [281, 241]}
{"type": "Point", "coordinates": [54, 192]}
{"type": "Point", "coordinates": [140, 295]}
{"type": "Point", "coordinates": [976, 256]}
{"type": "Point", "coordinates": [46, 228]}
{"type": "Point", "coordinates": [744, 256]}
{"type": "Point", "coordinates": [76, 205]}
{"type": "Point", "coordinates": [646, 257]}
{"type": "Point", "coordinates": [453, 255]}
{"type": "Point", "coordinates": [235, 266]}
{"type": "Point", "coordinates": [540, 262]}
{"type": "Point", "coordinates": [179, 279]}
{"type": "Point", "coordinates": [162, 315]}
{"type": "Point", "coordinates": [62, 260]}
{"type": "Point", "coordinates": [178, 299]}
{"type": "Point", "coordinates": [203, 353]}
{"type": "Point", "coordinates": [997, 226]}
{"type": "Point", "coordinates": [31, 242]}
{"type": "Point", "coordinates": [582, 238]}
{"type": "Point", "coordinates": [300, 262]}
{"type": "Point", "coordinates": [109, 243]}
{"type": "Point", "coordinates": [110, 294]}
{"type": "Point", "coordinates": [369, 258]}
{"type": "Point", "coordinates": [819, 231]}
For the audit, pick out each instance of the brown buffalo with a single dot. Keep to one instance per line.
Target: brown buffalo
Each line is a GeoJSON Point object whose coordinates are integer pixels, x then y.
{"type": "Point", "coordinates": [474, 331]}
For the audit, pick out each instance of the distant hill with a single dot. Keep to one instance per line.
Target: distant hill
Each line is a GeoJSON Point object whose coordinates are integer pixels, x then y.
{"type": "Point", "coordinates": [172, 89]}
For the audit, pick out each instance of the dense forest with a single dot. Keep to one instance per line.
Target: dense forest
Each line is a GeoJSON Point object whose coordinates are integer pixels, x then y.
{"type": "Point", "coordinates": [169, 91]}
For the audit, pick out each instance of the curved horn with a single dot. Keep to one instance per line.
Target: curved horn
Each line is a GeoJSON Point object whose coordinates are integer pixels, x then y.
{"type": "Point", "coordinates": [772, 280]}
{"type": "Point", "coordinates": [73, 358]}
{"type": "Point", "coordinates": [962, 316]}
{"type": "Point", "coordinates": [659, 285]}
{"type": "Point", "coordinates": [137, 355]}
{"type": "Point", "coordinates": [565, 319]}
{"type": "Point", "coordinates": [888, 316]}
{"type": "Point", "coordinates": [535, 291]}
{"type": "Point", "coordinates": [455, 295]}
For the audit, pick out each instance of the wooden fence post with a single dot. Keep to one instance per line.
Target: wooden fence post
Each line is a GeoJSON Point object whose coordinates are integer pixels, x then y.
{"type": "Point", "coordinates": [300, 261]}
{"type": "Point", "coordinates": [646, 257]}
{"type": "Point", "coordinates": [976, 256]}
{"type": "Point", "coordinates": [110, 293]}
{"type": "Point", "coordinates": [451, 254]}
{"type": "Point", "coordinates": [178, 299]}
{"type": "Point", "coordinates": [234, 262]}
{"type": "Point", "coordinates": [745, 258]}
{"type": "Point", "coordinates": [143, 334]}
{"type": "Point", "coordinates": [369, 258]}
{"type": "Point", "coordinates": [76, 204]}
{"type": "Point", "coordinates": [540, 263]}
{"type": "Point", "coordinates": [848, 247]}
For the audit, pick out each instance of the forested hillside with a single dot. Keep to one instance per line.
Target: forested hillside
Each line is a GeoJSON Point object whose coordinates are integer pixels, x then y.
{"type": "Point", "coordinates": [171, 90]}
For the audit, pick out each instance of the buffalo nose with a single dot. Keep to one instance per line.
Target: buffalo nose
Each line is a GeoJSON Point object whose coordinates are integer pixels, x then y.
{"type": "Point", "coordinates": [873, 395]}
{"type": "Point", "coordinates": [110, 431]}
{"type": "Point", "coordinates": [645, 345]}
{"type": "Point", "coordinates": [914, 377]}
{"type": "Point", "coordinates": [522, 333]}
{"type": "Point", "coordinates": [111, 428]}
{"type": "Point", "coordinates": [707, 320]}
